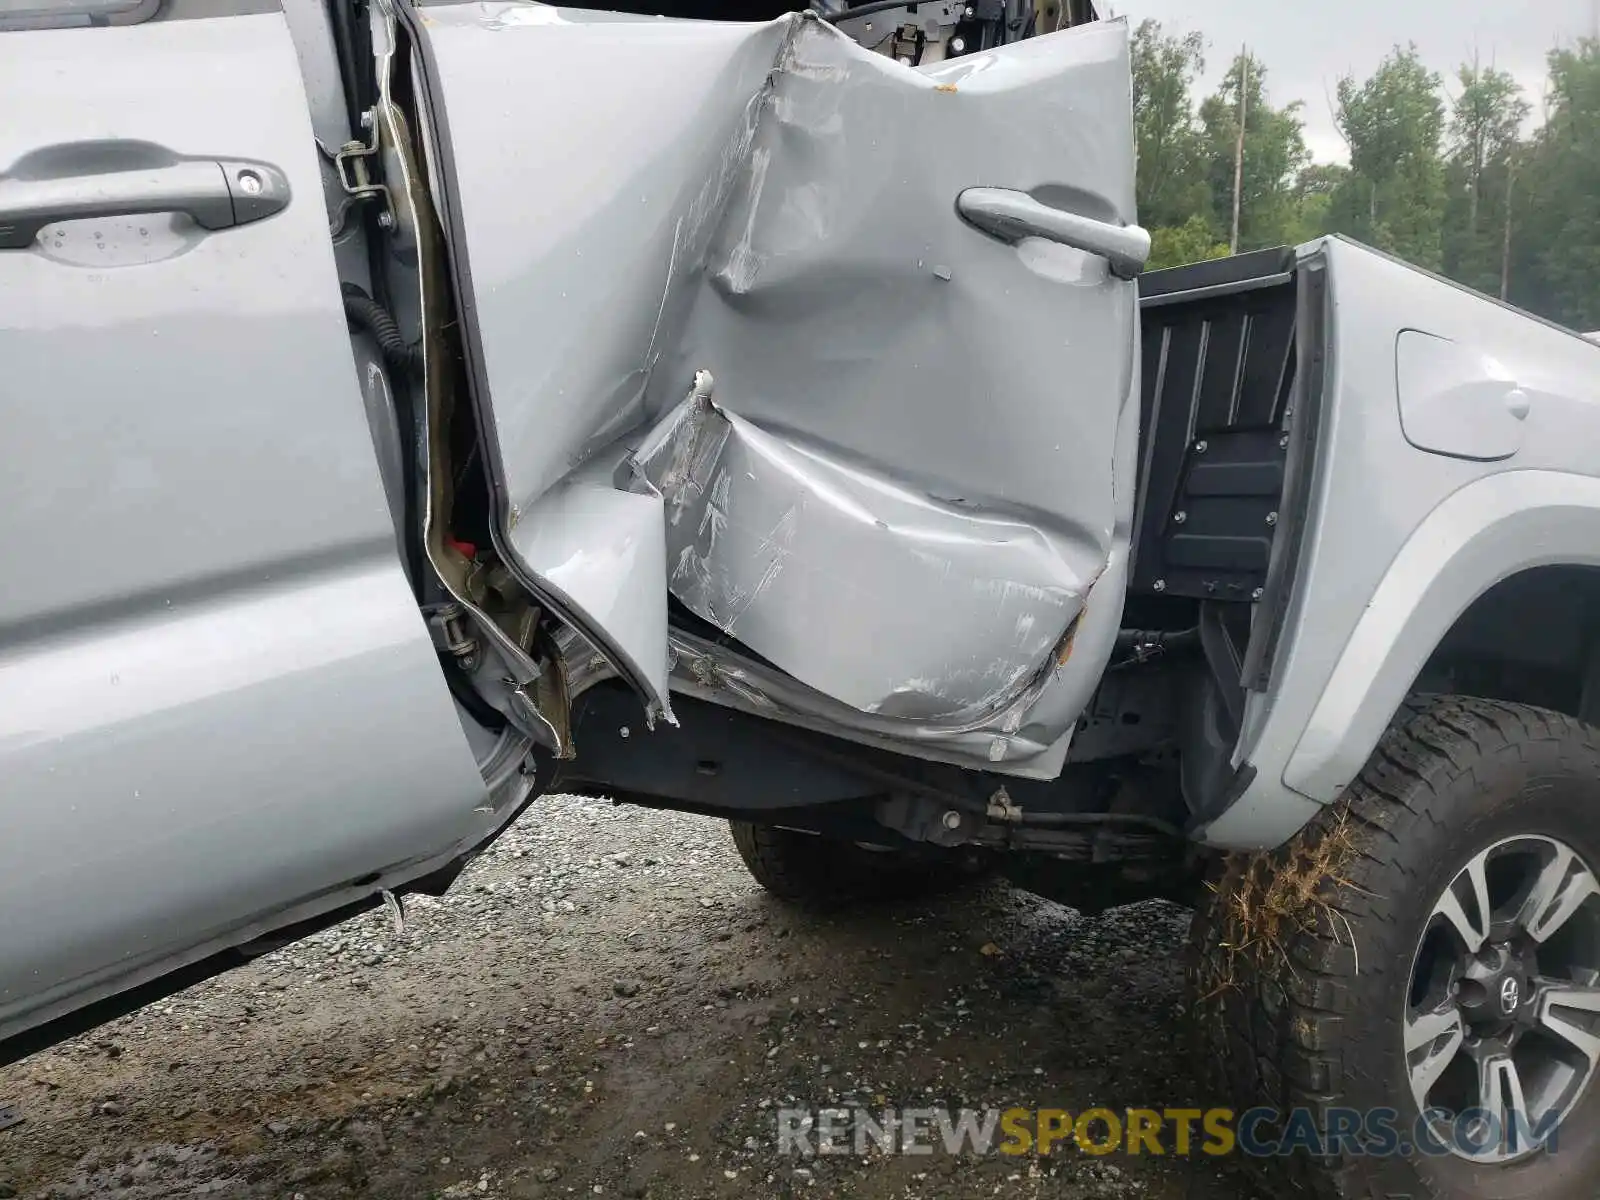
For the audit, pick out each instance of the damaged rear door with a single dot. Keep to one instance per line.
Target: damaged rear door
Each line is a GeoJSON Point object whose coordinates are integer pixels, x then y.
{"type": "Point", "coordinates": [807, 378]}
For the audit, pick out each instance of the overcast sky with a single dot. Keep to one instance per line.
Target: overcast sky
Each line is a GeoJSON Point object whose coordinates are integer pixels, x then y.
{"type": "Point", "coordinates": [1307, 46]}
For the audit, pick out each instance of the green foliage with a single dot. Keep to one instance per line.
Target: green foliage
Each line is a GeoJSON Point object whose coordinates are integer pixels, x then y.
{"type": "Point", "coordinates": [1556, 197]}
{"type": "Point", "coordinates": [1172, 182]}
{"type": "Point", "coordinates": [1186, 159]}
{"type": "Point", "coordinates": [1485, 122]}
{"type": "Point", "coordinates": [1314, 190]}
{"type": "Point", "coordinates": [1395, 195]}
{"type": "Point", "coordinates": [1274, 152]}
{"type": "Point", "coordinates": [1445, 180]}
{"type": "Point", "coordinates": [1193, 241]}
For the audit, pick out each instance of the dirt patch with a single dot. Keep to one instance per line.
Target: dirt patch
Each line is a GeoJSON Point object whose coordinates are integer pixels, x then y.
{"type": "Point", "coordinates": [607, 1005]}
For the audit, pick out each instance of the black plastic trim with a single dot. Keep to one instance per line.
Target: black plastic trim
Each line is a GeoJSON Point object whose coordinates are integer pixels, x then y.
{"type": "Point", "coordinates": [1218, 347]}
{"type": "Point", "coordinates": [1303, 421]}
{"type": "Point", "coordinates": [1223, 659]}
{"type": "Point", "coordinates": [1237, 272]}
{"type": "Point", "coordinates": [1214, 290]}
{"type": "Point", "coordinates": [1243, 776]}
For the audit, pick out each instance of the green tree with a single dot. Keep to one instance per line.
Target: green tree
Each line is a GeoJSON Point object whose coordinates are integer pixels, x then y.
{"type": "Point", "coordinates": [1172, 183]}
{"type": "Point", "coordinates": [1274, 152]}
{"type": "Point", "coordinates": [1485, 122]}
{"type": "Point", "coordinates": [1555, 211]}
{"type": "Point", "coordinates": [1193, 241]}
{"type": "Point", "coordinates": [1314, 189]}
{"type": "Point", "coordinates": [1395, 194]}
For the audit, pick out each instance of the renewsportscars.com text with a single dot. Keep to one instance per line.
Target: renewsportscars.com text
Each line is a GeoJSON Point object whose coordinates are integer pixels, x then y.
{"type": "Point", "coordinates": [1260, 1132]}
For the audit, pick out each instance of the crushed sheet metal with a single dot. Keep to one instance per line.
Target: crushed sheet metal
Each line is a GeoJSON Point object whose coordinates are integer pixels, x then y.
{"type": "Point", "coordinates": [600, 552]}
{"type": "Point", "coordinates": [595, 153]}
{"type": "Point", "coordinates": [821, 313]}
{"type": "Point", "coordinates": [711, 675]}
{"type": "Point", "coordinates": [918, 609]}
{"type": "Point", "coordinates": [904, 488]}
{"type": "Point", "coordinates": [10, 1114]}
{"type": "Point", "coordinates": [720, 673]}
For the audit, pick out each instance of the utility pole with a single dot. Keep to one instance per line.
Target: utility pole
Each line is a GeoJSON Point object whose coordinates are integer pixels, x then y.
{"type": "Point", "coordinates": [1505, 241]}
{"type": "Point", "coordinates": [1238, 150]}
{"type": "Point", "coordinates": [1478, 152]}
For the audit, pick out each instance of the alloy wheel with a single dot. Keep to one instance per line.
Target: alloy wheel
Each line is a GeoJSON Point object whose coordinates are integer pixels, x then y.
{"type": "Point", "coordinates": [1502, 1021]}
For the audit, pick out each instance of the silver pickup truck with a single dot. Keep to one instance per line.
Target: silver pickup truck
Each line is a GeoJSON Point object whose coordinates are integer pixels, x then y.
{"type": "Point", "coordinates": [408, 409]}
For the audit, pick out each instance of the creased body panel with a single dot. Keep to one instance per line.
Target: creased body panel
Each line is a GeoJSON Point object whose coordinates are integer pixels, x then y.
{"type": "Point", "coordinates": [599, 551]}
{"type": "Point", "coordinates": [593, 155]}
{"type": "Point", "coordinates": [917, 488]}
{"type": "Point", "coordinates": [830, 569]}
{"type": "Point", "coordinates": [845, 301]}
{"type": "Point", "coordinates": [906, 486]}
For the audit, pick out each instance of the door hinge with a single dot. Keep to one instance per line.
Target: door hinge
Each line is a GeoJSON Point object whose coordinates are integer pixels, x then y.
{"type": "Point", "coordinates": [353, 164]}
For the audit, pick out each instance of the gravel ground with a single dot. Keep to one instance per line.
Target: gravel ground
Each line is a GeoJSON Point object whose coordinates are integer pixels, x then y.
{"type": "Point", "coordinates": [606, 1004]}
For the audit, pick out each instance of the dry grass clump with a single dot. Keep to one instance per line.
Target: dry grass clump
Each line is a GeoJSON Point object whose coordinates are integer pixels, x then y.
{"type": "Point", "coordinates": [1268, 899]}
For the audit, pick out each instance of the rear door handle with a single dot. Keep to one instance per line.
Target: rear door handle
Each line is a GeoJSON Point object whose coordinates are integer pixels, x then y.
{"type": "Point", "coordinates": [215, 194]}
{"type": "Point", "coordinates": [1012, 215]}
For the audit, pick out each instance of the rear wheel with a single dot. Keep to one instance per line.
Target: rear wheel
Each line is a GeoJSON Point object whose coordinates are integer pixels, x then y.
{"type": "Point", "coordinates": [1420, 968]}
{"type": "Point", "coordinates": [819, 872]}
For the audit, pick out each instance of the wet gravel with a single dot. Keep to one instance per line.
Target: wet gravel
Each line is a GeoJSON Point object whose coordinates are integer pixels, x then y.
{"type": "Point", "coordinates": [606, 1004]}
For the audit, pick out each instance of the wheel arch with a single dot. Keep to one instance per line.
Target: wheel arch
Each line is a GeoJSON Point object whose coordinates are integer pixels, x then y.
{"type": "Point", "coordinates": [1448, 600]}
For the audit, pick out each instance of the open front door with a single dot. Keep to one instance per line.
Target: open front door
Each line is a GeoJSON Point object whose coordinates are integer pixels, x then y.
{"type": "Point", "coordinates": [220, 711]}
{"type": "Point", "coordinates": [808, 377]}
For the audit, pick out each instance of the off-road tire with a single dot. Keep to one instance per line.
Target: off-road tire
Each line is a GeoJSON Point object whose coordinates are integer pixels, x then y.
{"type": "Point", "coordinates": [1293, 1023]}
{"type": "Point", "coordinates": [824, 873]}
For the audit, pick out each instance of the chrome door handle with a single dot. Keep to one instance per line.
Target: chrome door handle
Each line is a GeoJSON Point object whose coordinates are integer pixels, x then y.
{"type": "Point", "coordinates": [215, 195]}
{"type": "Point", "coordinates": [1012, 215]}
